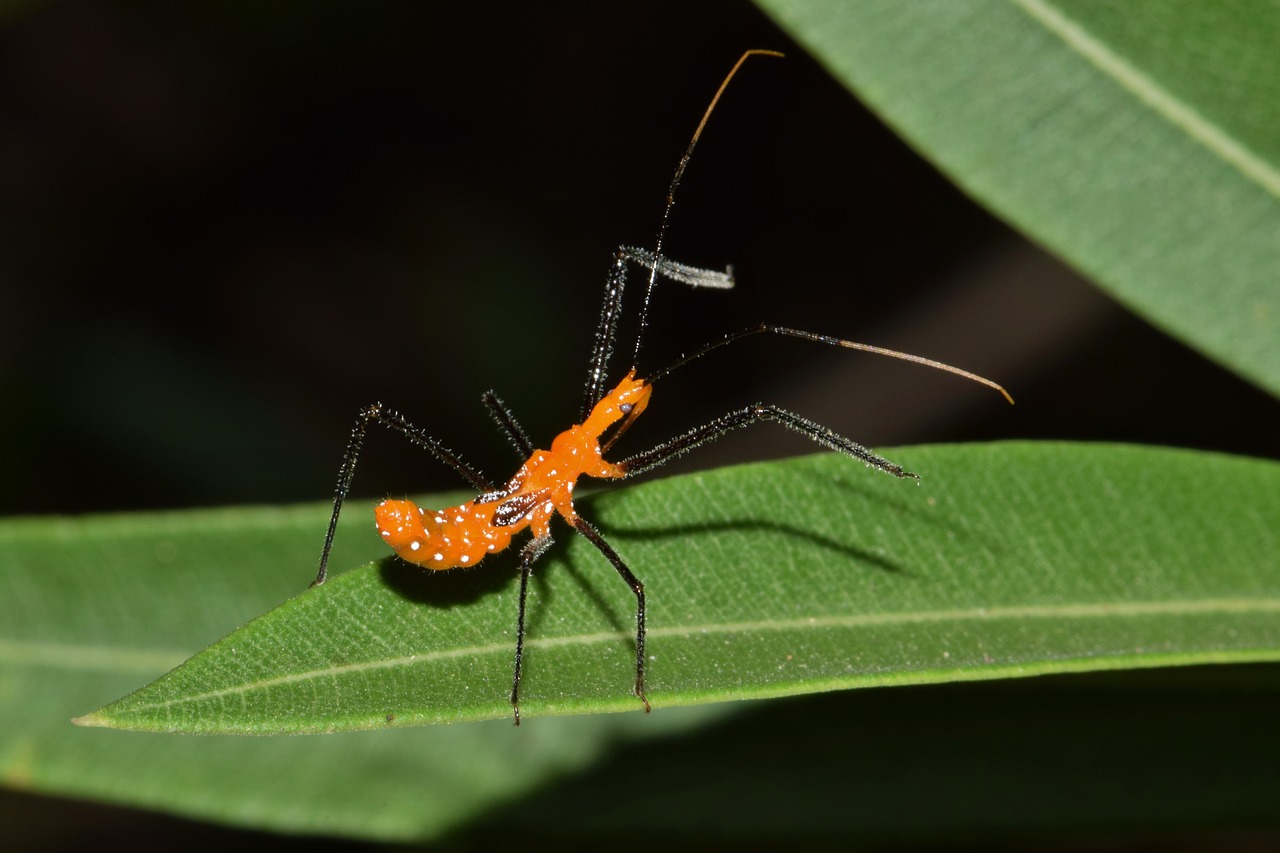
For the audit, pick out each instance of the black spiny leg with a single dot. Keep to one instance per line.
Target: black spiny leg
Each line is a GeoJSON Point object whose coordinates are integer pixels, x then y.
{"type": "Point", "coordinates": [392, 420]}
{"type": "Point", "coordinates": [508, 424]}
{"type": "Point", "coordinates": [528, 556]}
{"type": "Point", "coordinates": [607, 328]}
{"type": "Point", "coordinates": [593, 536]}
{"type": "Point", "coordinates": [650, 459]}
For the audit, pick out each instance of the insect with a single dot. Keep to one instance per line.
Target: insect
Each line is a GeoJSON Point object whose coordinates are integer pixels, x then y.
{"type": "Point", "coordinates": [542, 488]}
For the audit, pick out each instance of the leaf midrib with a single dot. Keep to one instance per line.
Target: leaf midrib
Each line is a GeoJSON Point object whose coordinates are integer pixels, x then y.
{"type": "Point", "coordinates": [1027, 612]}
{"type": "Point", "coordinates": [1176, 111]}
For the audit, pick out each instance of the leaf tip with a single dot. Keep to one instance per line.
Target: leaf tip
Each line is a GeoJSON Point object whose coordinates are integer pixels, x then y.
{"type": "Point", "coordinates": [95, 719]}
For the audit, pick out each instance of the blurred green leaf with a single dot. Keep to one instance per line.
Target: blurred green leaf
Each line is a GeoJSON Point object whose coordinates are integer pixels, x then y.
{"type": "Point", "coordinates": [1140, 141]}
{"type": "Point", "coordinates": [1152, 752]}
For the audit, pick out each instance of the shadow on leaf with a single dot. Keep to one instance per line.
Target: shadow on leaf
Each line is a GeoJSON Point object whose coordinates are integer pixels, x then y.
{"type": "Point", "coordinates": [445, 589]}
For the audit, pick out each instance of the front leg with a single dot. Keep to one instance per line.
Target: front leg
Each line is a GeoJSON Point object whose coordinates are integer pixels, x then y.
{"type": "Point", "coordinates": [611, 311]}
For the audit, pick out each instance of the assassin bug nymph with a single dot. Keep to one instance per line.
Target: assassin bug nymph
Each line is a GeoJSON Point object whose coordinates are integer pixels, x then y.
{"type": "Point", "coordinates": [463, 535]}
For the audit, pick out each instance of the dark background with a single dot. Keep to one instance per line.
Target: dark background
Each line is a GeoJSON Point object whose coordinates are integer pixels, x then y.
{"type": "Point", "coordinates": [227, 226]}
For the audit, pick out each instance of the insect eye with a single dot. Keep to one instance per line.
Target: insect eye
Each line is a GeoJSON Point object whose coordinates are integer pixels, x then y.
{"type": "Point", "coordinates": [626, 408]}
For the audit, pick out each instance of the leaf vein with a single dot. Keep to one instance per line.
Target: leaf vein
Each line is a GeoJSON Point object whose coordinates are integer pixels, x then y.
{"type": "Point", "coordinates": [1176, 111]}
{"type": "Point", "coordinates": [1027, 612]}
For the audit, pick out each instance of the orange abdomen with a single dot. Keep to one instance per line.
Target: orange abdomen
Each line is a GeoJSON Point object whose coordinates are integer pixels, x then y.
{"type": "Point", "coordinates": [440, 539]}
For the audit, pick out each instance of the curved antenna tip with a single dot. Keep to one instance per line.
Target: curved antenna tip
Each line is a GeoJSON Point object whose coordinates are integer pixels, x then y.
{"type": "Point", "coordinates": [927, 362]}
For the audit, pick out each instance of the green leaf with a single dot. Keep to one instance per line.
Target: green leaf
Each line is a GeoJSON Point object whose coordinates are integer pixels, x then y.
{"type": "Point", "coordinates": [779, 579]}
{"type": "Point", "coordinates": [92, 607]}
{"type": "Point", "coordinates": [1139, 141]}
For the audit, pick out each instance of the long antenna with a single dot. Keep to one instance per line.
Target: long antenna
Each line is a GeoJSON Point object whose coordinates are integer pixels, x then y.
{"type": "Point", "coordinates": [671, 195]}
{"type": "Point", "coordinates": [827, 339]}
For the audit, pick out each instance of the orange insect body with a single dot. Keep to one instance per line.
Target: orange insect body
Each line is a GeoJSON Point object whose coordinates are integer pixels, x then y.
{"type": "Point", "coordinates": [464, 534]}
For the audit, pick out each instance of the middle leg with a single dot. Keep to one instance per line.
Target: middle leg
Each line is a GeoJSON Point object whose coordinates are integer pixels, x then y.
{"type": "Point", "coordinates": [528, 556]}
